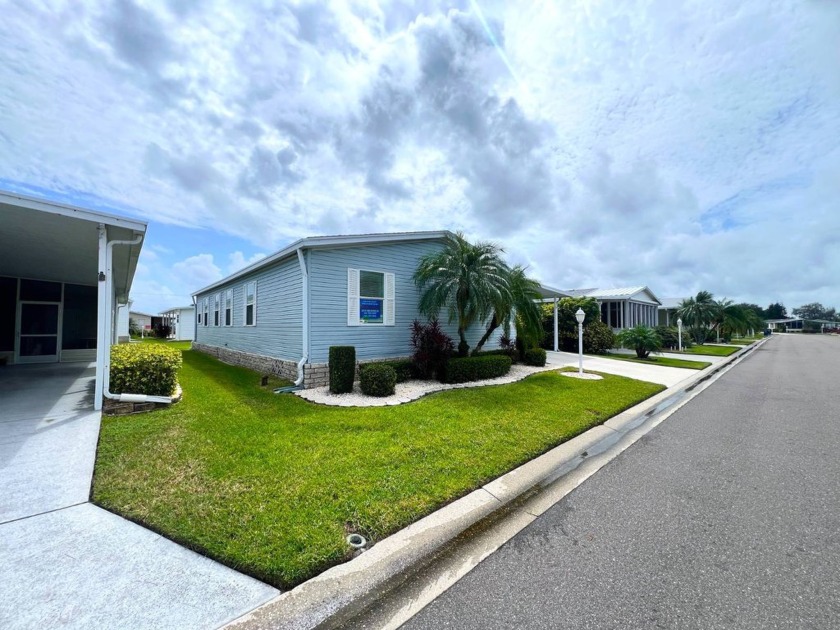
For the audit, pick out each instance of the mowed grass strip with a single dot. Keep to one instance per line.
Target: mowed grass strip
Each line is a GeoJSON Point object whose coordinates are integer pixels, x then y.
{"type": "Point", "coordinates": [712, 351]}
{"type": "Point", "coordinates": [663, 361]}
{"type": "Point", "coordinates": [271, 484]}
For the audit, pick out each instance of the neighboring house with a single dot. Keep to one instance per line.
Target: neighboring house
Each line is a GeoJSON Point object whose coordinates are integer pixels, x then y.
{"type": "Point", "coordinates": [60, 282]}
{"type": "Point", "coordinates": [668, 311]}
{"type": "Point", "coordinates": [181, 320]}
{"type": "Point", "coordinates": [282, 314]}
{"type": "Point", "coordinates": [787, 324]}
{"type": "Point", "coordinates": [624, 307]}
{"type": "Point", "coordinates": [143, 321]}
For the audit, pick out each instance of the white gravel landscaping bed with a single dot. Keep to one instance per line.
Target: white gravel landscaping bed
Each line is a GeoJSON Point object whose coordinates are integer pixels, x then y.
{"type": "Point", "coordinates": [411, 390]}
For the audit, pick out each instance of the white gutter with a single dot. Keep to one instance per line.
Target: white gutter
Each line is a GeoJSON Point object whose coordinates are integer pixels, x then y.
{"type": "Point", "coordinates": [304, 317]}
{"type": "Point", "coordinates": [106, 314]}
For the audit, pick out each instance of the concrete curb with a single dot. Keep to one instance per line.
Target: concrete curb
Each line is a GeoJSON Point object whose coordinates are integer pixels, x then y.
{"type": "Point", "coordinates": [348, 588]}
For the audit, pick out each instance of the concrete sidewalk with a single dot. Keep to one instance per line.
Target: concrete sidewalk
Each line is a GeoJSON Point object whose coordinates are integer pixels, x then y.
{"type": "Point", "coordinates": [668, 376]}
{"type": "Point", "coordinates": [65, 562]}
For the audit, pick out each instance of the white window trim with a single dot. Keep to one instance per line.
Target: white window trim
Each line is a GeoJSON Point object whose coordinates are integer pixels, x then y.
{"type": "Point", "coordinates": [206, 311]}
{"type": "Point", "coordinates": [227, 294]}
{"type": "Point", "coordinates": [245, 304]}
{"type": "Point", "coordinates": [354, 298]}
{"type": "Point", "coordinates": [217, 309]}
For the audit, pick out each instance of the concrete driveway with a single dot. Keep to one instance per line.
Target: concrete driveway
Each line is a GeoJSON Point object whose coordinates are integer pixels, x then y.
{"type": "Point", "coordinates": [65, 562]}
{"type": "Point", "coordinates": [667, 376]}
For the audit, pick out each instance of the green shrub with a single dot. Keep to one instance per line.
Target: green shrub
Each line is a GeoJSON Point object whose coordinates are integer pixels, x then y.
{"type": "Point", "coordinates": [501, 352]}
{"type": "Point", "coordinates": [377, 379]}
{"type": "Point", "coordinates": [148, 369]}
{"type": "Point", "coordinates": [535, 356]}
{"type": "Point", "coordinates": [643, 339]}
{"type": "Point", "coordinates": [465, 369]}
{"type": "Point", "coordinates": [405, 370]}
{"type": "Point", "coordinates": [598, 338]}
{"type": "Point", "coordinates": [342, 369]}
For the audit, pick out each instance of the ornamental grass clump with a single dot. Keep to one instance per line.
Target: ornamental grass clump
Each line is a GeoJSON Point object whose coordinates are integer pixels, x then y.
{"type": "Point", "coordinates": [147, 369]}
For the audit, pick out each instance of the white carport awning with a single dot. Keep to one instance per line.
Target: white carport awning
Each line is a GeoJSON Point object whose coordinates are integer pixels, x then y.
{"type": "Point", "coordinates": [48, 241]}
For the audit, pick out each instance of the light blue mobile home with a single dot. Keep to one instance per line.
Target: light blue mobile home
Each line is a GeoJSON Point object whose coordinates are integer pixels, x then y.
{"type": "Point", "coordinates": [281, 314]}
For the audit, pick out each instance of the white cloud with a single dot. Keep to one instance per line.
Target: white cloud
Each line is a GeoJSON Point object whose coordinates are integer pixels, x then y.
{"type": "Point", "coordinates": [237, 261]}
{"type": "Point", "coordinates": [661, 143]}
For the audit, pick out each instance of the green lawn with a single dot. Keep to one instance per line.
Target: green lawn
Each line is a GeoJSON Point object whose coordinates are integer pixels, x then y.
{"type": "Point", "coordinates": [663, 361]}
{"type": "Point", "coordinates": [742, 342]}
{"type": "Point", "coordinates": [271, 484]}
{"type": "Point", "coordinates": [713, 351]}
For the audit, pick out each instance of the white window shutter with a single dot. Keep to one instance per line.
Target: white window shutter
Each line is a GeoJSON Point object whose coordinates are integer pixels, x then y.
{"type": "Point", "coordinates": [390, 302]}
{"type": "Point", "coordinates": [352, 297]}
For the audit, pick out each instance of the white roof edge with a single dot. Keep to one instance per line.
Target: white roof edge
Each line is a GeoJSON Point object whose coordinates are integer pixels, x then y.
{"type": "Point", "coordinates": [558, 292]}
{"type": "Point", "coordinates": [63, 209]}
{"type": "Point", "coordinates": [177, 308]}
{"type": "Point", "coordinates": [313, 242]}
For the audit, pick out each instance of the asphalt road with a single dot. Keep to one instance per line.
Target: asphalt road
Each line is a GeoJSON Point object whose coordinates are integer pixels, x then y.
{"type": "Point", "coordinates": [725, 516]}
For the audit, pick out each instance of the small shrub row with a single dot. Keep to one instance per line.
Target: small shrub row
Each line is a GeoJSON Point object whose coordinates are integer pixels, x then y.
{"type": "Point", "coordinates": [148, 369]}
{"type": "Point", "coordinates": [466, 369]}
{"type": "Point", "coordinates": [377, 379]}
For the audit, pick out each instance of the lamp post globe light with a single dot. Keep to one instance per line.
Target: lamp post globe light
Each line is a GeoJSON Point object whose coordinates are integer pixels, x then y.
{"type": "Point", "coordinates": [679, 331]}
{"type": "Point", "coordinates": [580, 316]}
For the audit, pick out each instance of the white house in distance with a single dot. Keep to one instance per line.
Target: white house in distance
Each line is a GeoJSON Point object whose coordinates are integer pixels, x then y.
{"type": "Point", "coordinates": [624, 307]}
{"type": "Point", "coordinates": [668, 311]}
{"type": "Point", "coordinates": [182, 321]}
{"type": "Point", "coordinates": [63, 271]}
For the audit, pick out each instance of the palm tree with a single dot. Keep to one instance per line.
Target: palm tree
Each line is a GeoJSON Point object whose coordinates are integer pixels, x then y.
{"type": "Point", "coordinates": [465, 279]}
{"type": "Point", "coordinates": [729, 318]}
{"type": "Point", "coordinates": [698, 313]}
{"type": "Point", "coordinates": [642, 339]}
{"type": "Point", "coordinates": [516, 306]}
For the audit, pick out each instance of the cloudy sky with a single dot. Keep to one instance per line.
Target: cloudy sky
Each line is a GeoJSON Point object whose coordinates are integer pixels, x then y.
{"type": "Point", "coordinates": [682, 145]}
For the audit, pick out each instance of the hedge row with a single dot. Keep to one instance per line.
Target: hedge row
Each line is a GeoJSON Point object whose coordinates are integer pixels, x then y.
{"type": "Point", "coordinates": [466, 369]}
{"type": "Point", "coordinates": [148, 369]}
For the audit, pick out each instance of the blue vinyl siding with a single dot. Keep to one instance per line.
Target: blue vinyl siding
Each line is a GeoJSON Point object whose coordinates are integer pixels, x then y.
{"type": "Point", "coordinates": [279, 314]}
{"type": "Point", "coordinates": [328, 301]}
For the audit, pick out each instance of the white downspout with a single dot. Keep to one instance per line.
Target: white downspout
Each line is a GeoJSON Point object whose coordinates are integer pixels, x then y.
{"type": "Point", "coordinates": [556, 328]}
{"type": "Point", "coordinates": [109, 290]}
{"type": "Point", "coordinates": [304, 319]}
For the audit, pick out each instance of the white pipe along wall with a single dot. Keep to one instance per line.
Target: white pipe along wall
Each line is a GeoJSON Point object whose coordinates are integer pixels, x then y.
{"type": "Point", "coordinates": [109, 313]}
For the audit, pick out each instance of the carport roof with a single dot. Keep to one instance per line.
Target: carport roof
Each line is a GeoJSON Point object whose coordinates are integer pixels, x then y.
{"type": "Point", "coordinates": [46, 240]}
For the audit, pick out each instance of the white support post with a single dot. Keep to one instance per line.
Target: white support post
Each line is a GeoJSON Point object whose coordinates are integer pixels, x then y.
{"type": "Point", "coordinates": [556, 328]}
{"type": "Point", "coordinates": [102, 336]}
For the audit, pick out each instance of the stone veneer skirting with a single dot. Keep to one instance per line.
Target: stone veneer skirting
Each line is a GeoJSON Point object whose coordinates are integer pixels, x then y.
{"type": "Point", "coordinates": [314, 374]}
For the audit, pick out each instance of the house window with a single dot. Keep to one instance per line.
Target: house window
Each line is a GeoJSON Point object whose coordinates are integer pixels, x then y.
{"type": "Point", "coordinates": [197, 314]}
{"type": "Point", "coordinates": [370, 298]}
{"type": "Point", "coordinates": [206, 309]}
{"type": "Point", "coordinates": [229, 307]}
{"type": "Point", "coordinates": [251, 303]}
{"type": "Point", "coordinates": [216, 299]}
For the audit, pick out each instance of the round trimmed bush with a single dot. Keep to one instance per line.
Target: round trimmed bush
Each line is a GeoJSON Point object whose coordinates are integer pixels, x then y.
{"type": "Point", "coordinates": [378, 379]}
{"type": "Point", "coordinates": [535, 356]}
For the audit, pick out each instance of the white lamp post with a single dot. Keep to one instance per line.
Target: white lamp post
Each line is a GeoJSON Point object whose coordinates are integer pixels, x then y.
{"type": "Point", "coordinates": [579, 316]}
{"type": "Point", "coordinates": [679, 329]}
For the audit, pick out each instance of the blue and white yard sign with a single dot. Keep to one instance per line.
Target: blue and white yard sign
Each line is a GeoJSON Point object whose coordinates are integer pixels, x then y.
{"type": "Point", "coordinates": [370, 310]}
